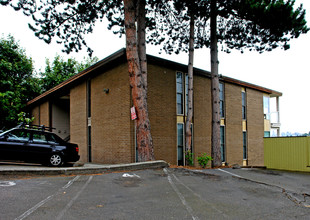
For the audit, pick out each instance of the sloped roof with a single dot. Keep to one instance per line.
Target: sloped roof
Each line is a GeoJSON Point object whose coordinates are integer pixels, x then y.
{"type": "Point", "coordinates": [120, 57]}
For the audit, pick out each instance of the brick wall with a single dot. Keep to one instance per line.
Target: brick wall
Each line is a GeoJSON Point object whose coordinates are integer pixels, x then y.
{"type": "Point", "coordinates": [44, 114]}
{"type": "Point", "coordinates": [113, 135]}
{"type": "Point", "coordinates": [162, 112]}
{"type": "Point", "coordinates": [35, 112]}
{"type": "Point", "coordinates": [255, 127]}
{"type": "Point", "coordinates": [78, 119]}
{"type": "Point", "coordinates": [110, 115]}
{"type": "Point", "coordinates": [233, 127]}
{"type": "Point", "coordinates": [202, 116]}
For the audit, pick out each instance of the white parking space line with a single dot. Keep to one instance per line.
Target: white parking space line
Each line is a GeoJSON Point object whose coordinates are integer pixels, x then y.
{"type": "Point", "coordinates": [70, 182]}
{"type": "Point", "coordinates": [34, 208]}
{"type": "Point", "coordinates": [188, 208]}
{"type": "Point", "coordinates": [68, 206]}
{"type": "Point", "coordinates": [7, 183]}
{"type": "Point", "coordinates": [199, 196]}
{"type": "Point", "coordinates": [229, 173]}
{"type": "Point", "coordinates": [31, 210]}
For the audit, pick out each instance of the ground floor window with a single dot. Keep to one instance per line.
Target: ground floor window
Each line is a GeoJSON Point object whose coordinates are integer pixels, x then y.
{"type": "Point", "coordinates": [180, 143]}
{"type": "Point", "coordinates": [245, 153]}
{"type": "Point", "coordinates": [266, 133]}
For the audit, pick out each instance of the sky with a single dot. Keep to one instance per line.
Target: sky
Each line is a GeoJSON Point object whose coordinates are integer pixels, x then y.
{"type": "Point", "coordinates": [285, 71]}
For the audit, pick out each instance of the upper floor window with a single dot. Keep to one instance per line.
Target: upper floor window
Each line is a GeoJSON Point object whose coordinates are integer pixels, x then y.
{"type": "Point", "coordinates": [186, 93]}
{"type": "Point", "coordinates": [180, 93]}
{"type": "Point", "coordinates": [243, 105]}
{"type": "Point", "coordinates": [266, 107]}
{"type": "Point", "coordinates": [222, 97]}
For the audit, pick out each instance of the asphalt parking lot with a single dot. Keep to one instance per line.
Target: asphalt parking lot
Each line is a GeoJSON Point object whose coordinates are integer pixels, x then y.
{"type": "Point", "coordinates": [161, 193]}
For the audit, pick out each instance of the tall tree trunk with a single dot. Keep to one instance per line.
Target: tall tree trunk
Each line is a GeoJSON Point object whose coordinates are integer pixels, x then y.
{"type": "Point", "coordinates": [141, 39]}
{"type": "Point", "coordinates": [215, 92]}
{"type": "Point", "coordinates": [188, 137]}
{"type": "Point", "coordinates": [137, 81]}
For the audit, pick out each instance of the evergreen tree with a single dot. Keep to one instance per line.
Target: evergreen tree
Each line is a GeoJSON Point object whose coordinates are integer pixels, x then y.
{"type": "Point", "coordinates": [258, 25]}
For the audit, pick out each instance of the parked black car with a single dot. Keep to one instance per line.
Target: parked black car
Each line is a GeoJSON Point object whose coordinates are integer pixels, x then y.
{"type": "Point", "coordinates": [35, 144]}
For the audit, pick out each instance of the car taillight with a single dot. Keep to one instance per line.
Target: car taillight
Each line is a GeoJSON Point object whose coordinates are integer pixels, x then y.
{"type": "Point", "coordinates": [77, 149]}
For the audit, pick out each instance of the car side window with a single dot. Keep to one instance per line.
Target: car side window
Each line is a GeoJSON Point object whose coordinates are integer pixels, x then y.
{"type": "Point", "coordinates": [18, 135]}
{"type": "Point", "coordinates": [39, 137]}
{"type": "Point", "coordinates": [51, 138]}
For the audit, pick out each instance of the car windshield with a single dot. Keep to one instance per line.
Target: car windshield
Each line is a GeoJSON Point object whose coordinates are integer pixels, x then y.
{"type": "Point", "coordinates": [5, 132]}
{"type": "Point", "coordinates": [18, 135]}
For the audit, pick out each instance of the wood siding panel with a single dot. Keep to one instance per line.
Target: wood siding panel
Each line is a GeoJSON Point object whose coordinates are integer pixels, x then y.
{"type": "Point", "coordinates": [287, 153]}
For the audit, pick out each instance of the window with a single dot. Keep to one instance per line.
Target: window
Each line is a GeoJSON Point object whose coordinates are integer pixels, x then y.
{"type": "Point", "coordinates": [180, 93]}
{"type": "Point", "coordinates": [223, 156]}
{"type": "Point", "coordinates": [39, 137]}
{"type": "Point", "coordinates": [180, 143]}
{"type": "Point", "coordinates": [243, 105]}
{"type": "Point", "coordinates": [18, 135]}
{"type": "Point", "coordinates": [186, 93]}
{"type": "Point", "coordinates": [222, 109]}
{"type": "Point", "coordinates": [245, 145]}
{"type": "Point", "coordinates": [266, 133]}
{"type": "Point", "coordinates": [266, 107]}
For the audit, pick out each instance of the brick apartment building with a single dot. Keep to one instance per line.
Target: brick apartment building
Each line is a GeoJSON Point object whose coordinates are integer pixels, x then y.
{"type": "Point", "coordinates": [92, 109]}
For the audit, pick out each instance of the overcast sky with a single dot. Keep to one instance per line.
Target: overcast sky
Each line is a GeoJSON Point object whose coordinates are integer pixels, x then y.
{"type": "Point", "coordinates": [283, 71]}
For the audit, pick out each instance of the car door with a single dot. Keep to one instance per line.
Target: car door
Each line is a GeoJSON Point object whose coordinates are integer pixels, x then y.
{"type": "Point", "coordinates": [13, 144]}
{"type": "Point", "coordinates": [39, 147]}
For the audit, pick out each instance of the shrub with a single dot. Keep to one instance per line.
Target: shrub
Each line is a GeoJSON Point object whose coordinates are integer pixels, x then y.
{"type": "Point", "coordinates": [203, 160]}
{"type": "Point", "coordinates": [189, 158]}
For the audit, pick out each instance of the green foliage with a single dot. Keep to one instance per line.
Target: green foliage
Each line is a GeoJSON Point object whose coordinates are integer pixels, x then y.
{"type": "Point", "coordinates": [17, 82]}
{"type": "Point", "coordinates": [22, 117]}
{"type": "Point", "coordinates": [189, 158]}
{"type": "Point", "coordinates": [203, 160]}
{"type": "Point", "coordinates": [60, 70]}
{"type": "Point", "coordinates": [242, 24]}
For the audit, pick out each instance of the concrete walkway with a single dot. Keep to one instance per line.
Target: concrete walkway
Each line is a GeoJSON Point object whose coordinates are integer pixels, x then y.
{"type": "Point", "coordinates": [79, 168]}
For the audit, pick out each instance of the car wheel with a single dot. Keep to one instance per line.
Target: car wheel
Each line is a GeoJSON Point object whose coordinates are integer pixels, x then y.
{"type": "Point", "coordinates": [55, 160]}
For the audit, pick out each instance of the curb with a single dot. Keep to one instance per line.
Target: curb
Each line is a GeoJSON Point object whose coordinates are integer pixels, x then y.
{"type": "Point", "coordinates": [87, 170]}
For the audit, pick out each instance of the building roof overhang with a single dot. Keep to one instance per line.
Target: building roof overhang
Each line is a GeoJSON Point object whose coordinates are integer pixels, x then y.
{"type": "Point", "coordinates": [119, 57]}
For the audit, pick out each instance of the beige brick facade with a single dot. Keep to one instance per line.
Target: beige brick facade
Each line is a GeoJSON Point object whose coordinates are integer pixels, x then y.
{"type": "Point", "coordinates": [78, 119]}
{"type": "Point", "coordinates": [255, 127]}
{"type": "Point", "coordinates": [113, 131]}
{"type": "Point", "coordinates": [233, 124]}
{"type": "Point", "coordinates": [110, 117]}
{"type": "Point", "coordinates": [36, 114]}
{"type": "Point", "coordinates": [202, 119]}
{"type": "Point", "coordinates": [162, 112]}
{"type": "Point", "coordinates": [41, 114]}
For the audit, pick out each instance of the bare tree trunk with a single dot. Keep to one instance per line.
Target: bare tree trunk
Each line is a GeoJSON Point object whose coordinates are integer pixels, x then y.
{"type": "Point", "coordinates": [188, 137]}
{"type": "Point", "coordinates": [141, 39]}
{"type": "Point", "coordinates": [137, 82]}
{"type": "Point", "coordinates": [215, 92]}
